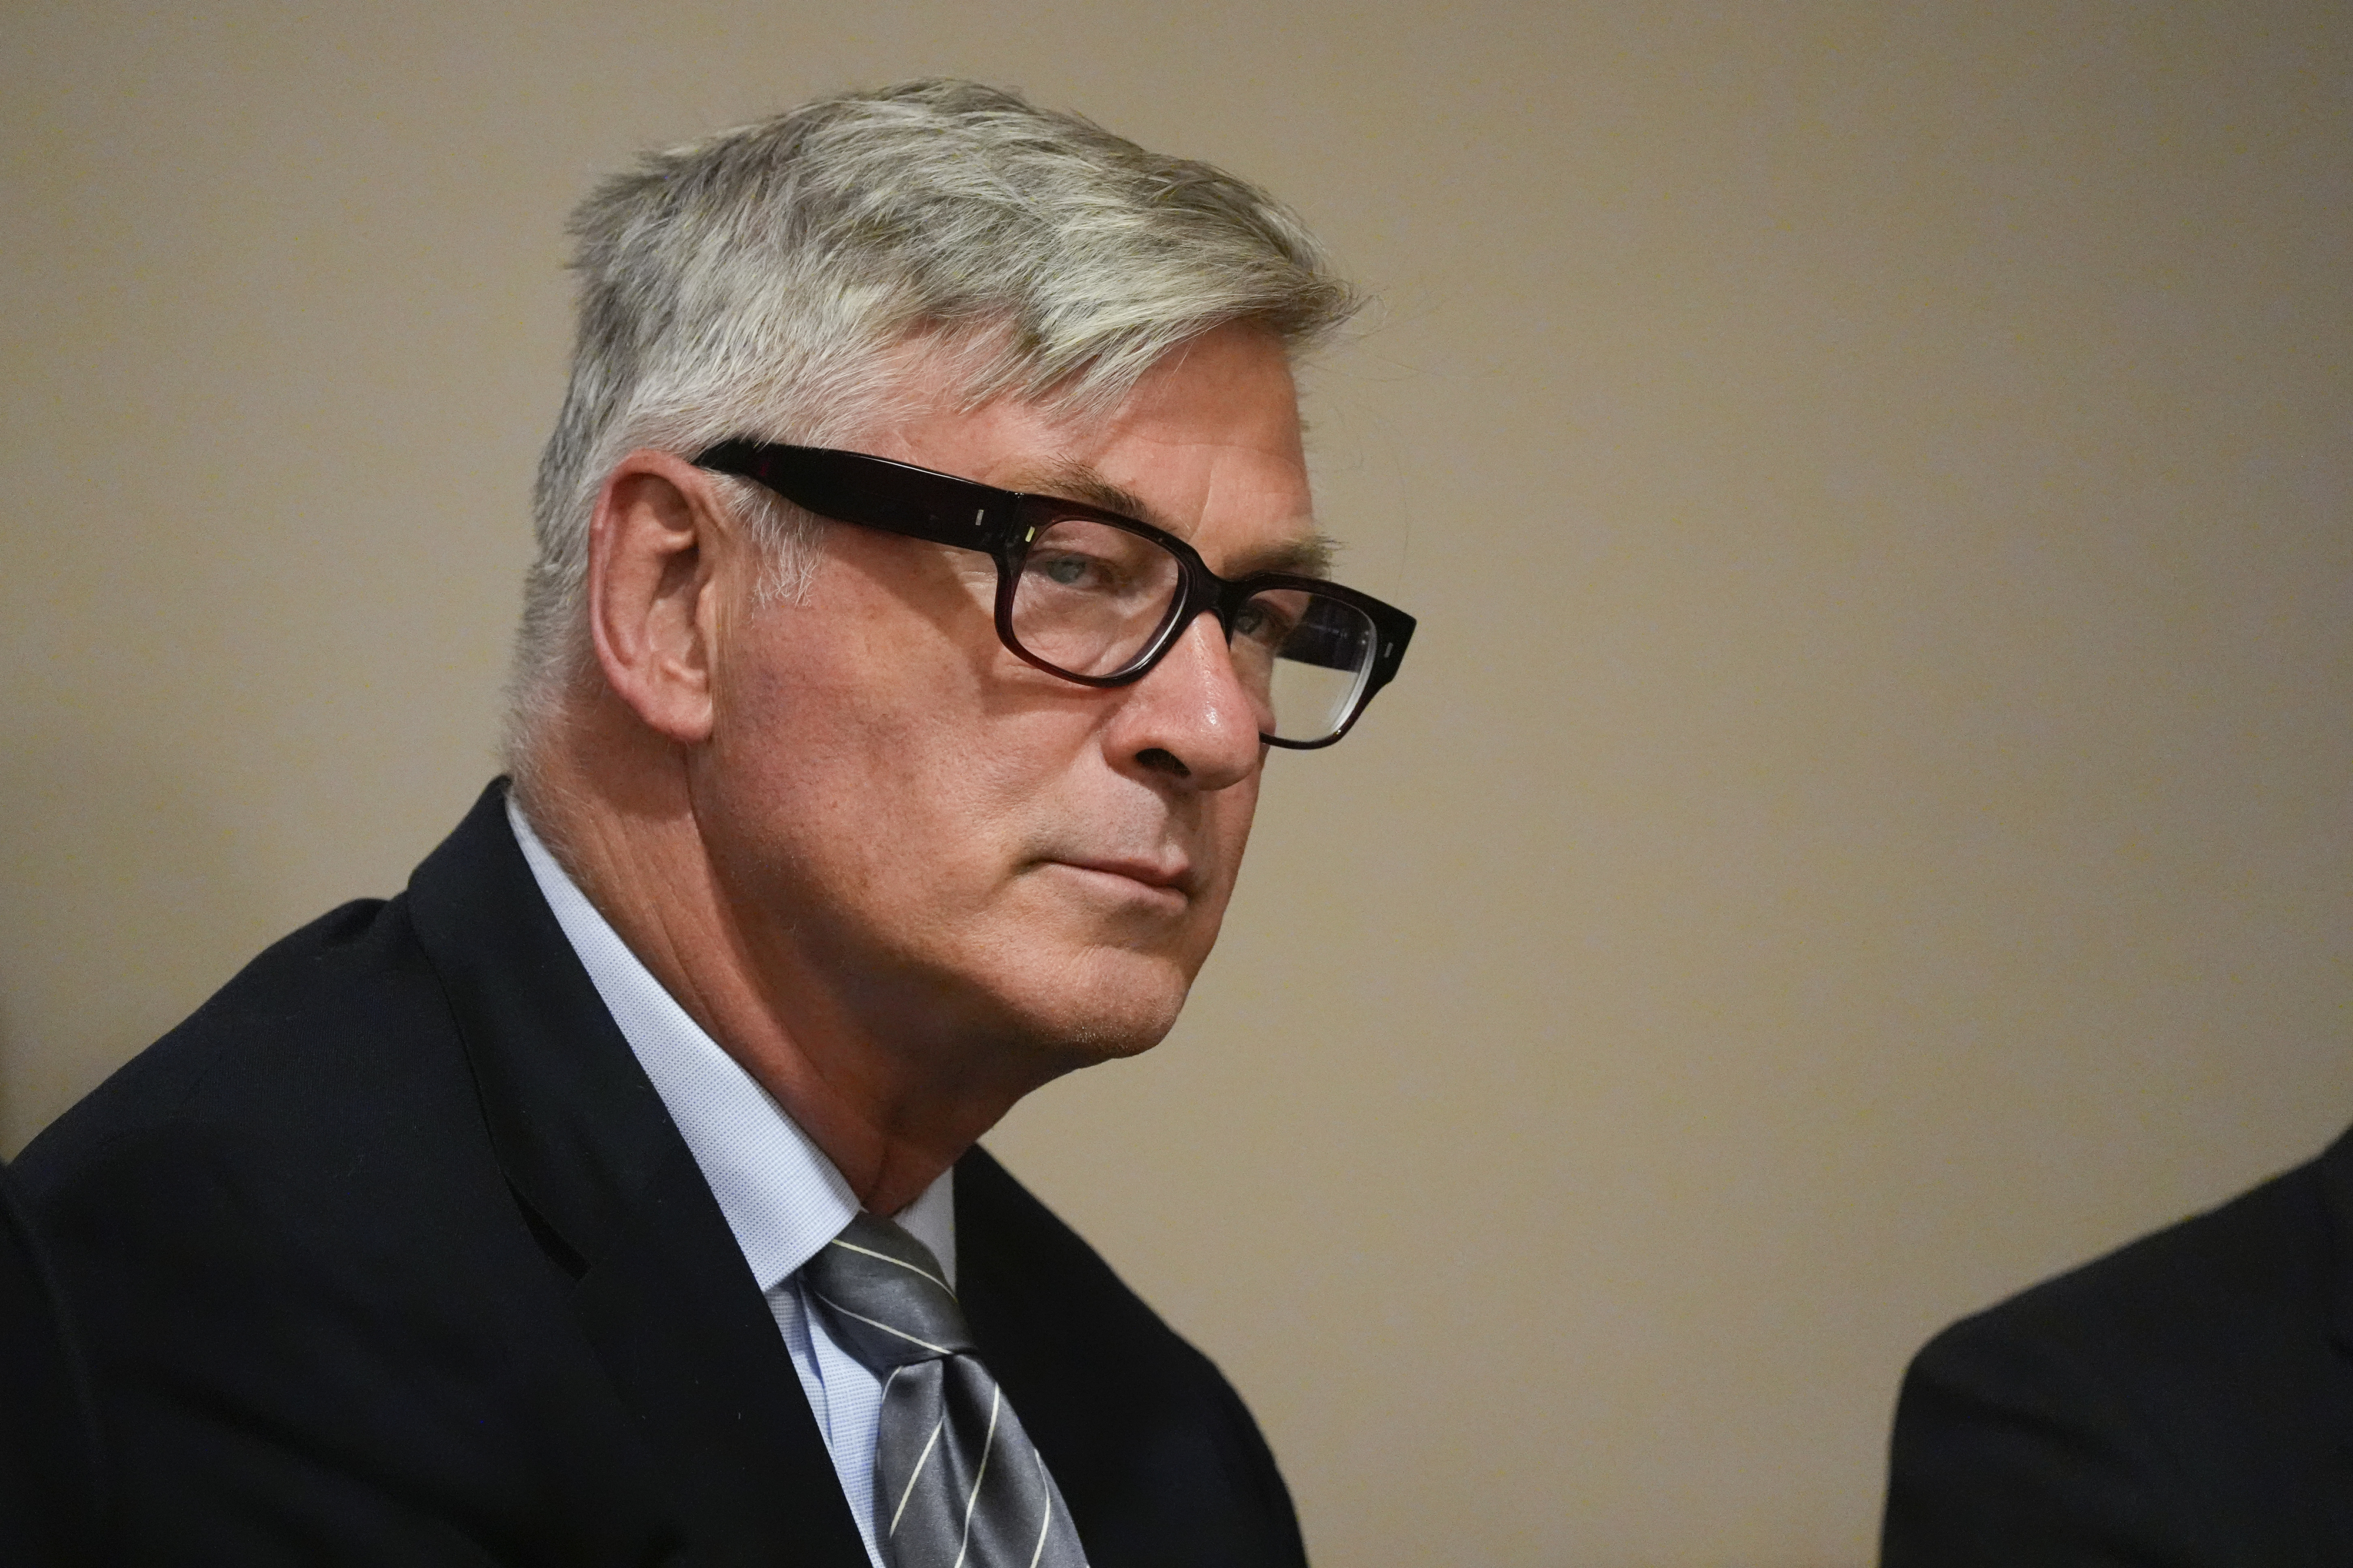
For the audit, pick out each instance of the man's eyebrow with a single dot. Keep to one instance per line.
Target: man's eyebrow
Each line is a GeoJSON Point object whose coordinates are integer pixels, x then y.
{"type": "Point", "coordinates": [1306, 557]}
{"type": "Point", "coordinates": [1076, 482]}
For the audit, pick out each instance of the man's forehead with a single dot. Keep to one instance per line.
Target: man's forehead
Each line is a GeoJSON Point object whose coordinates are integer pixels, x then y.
{"type": "Point", "coordinates": [1293, 546]}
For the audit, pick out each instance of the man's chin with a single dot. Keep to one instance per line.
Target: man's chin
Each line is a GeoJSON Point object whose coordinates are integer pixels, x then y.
{"type": "Point", "coordinates": [1087, 1047]}
{"type": "Point", "coordinates": [1023, 1011]}
{"type": "Point", "coordinates": [1104, 1011]}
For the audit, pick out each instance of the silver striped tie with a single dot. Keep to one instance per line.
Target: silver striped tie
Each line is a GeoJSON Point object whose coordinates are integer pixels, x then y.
{"type": "Point", "coordinates": [957, 1483]}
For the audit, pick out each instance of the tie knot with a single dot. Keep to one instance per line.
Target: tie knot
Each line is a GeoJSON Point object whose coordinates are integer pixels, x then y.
{"type": "Point", "coordinates": [885, 1296]}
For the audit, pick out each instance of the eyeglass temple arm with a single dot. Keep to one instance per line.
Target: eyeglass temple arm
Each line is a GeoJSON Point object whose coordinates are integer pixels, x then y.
{"type": "Point", "coordinates": [870, 492]}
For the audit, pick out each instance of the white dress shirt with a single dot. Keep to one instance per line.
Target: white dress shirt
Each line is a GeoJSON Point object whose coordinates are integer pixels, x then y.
{"type": "Point", "coordinates": [782, 1198]}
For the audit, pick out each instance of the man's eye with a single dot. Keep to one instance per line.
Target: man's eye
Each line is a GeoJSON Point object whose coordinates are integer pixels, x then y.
{"type": "Point", "coordinates": [1262, 623]}
{"type": "Point", "coordinates": [1068, 571]}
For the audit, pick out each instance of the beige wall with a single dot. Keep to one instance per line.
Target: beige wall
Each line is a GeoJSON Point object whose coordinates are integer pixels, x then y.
{"type": "Point", "coordinates": [1865, 822]}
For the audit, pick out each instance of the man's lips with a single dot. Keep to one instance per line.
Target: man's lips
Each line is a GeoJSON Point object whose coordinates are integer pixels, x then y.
{"type": "Point", "coordinates": [1167, 877]}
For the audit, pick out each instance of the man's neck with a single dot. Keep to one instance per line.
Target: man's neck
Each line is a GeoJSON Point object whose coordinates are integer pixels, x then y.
{"type": "Point", "coordinates": [888, 1117]}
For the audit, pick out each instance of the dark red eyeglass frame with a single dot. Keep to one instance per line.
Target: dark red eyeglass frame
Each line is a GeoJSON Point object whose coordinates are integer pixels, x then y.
{"type": "Point", "coordinates": [899, 498]}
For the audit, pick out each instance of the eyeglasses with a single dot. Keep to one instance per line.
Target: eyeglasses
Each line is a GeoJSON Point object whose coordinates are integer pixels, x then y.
{"type": "Point", "coordinates": [1099, 598]}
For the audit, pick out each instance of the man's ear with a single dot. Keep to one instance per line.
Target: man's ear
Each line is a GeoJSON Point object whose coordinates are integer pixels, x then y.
{"type": "Point", "coordinates": [655, 545]}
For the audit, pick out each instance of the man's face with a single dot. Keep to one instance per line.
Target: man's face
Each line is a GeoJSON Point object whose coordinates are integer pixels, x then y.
{"type": "Point", "coordinates": [972, 860]}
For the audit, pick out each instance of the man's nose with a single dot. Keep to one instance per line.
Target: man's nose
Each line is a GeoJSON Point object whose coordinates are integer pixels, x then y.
{"type": "Point", "coordinates": [1191, 719]}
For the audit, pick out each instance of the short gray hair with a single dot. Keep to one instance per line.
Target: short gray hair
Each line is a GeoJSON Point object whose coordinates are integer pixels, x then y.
{"type": "Point", "coordinates": [758, 282]}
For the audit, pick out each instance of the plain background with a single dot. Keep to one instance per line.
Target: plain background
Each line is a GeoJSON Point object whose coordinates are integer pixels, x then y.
{"type": "Point", "coordinates": [1866, 821]}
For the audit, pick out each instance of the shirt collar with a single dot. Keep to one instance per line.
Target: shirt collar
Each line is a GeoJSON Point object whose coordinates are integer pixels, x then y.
{"type": "Point", "coordinates": [780, 1194]}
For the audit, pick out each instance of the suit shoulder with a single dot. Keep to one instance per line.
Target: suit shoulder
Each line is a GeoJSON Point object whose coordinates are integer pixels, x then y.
{"type": "Point", "coordinates": [2243, 1278]}
{"type": "Point", "coordinates": [330, 1030]}
{"type": "Point", "coordinates": [1020, 1232]}
{"type": "Point", "coordinates": [1015, 1252]}
{"type": "Point", "coordinates": [2170, 1402]}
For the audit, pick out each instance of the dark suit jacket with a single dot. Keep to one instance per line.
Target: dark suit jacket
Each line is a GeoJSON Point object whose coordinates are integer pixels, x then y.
{"type": "Point", "coordinates": [49, 1470]}
{"type": "Point", "coordinates": [2185, 1401]}
{"type": "Point", "coordinates": [391, 1255]}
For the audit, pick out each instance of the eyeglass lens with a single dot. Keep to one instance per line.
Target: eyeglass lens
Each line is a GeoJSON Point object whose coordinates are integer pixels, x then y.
{"type": "Point", "coordinates": [1090, 598]}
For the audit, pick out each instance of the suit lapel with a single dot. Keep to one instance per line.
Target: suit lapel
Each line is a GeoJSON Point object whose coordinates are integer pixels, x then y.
{"type": "Point", "coordinates": [690, 1345]}
{"type": "Point", "coordinates": [585, 1141]}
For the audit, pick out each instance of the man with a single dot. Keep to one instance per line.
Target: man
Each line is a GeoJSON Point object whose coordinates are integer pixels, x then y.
{"type": "Point", "coordinates": [2186, 1402]}
{"type": "Point", "coordinates": [924, 568]}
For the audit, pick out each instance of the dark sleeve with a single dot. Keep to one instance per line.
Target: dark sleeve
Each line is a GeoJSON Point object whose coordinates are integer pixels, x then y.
{"type": "Point", "coordinates": [305, 1360]}
{"type": "Point", "coordinates": [2178, 1404]}
{"type": "Point", "coordinates": [269, 1407]}
{"type": "Point", "coordinates": [49, 1466]}
{"type": "Point", "coordinates": [2010, 1452]}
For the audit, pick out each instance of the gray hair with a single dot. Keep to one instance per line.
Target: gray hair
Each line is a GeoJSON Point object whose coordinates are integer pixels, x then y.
{"type": "Point", "coordinates": [758, 283]}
